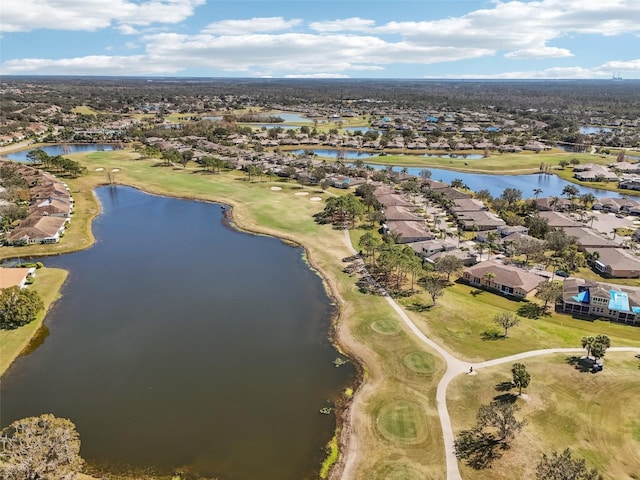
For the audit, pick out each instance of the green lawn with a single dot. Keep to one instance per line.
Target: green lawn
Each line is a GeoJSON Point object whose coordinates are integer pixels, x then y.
{"type": "Point", "coordinates": [596, 415]}
{"type": "Point", "coordinates": [13, 342]}
{"type": "Point", "coordinates": [463, 314]}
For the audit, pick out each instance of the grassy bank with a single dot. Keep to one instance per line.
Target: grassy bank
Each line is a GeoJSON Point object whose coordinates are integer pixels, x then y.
{"type": "Point", "coordinates": [13, 342]}
{"type": "Point", "coordinates": [595, 415]}
{"type": "Point", "coordinates": [462, 321]}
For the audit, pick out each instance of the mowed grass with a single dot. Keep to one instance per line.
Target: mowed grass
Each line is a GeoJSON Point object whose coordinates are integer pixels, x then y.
{"type": "Point", "coordinates": [596, 415]}
{"type": "Point", "coordinates": [463, 314]}
{"type": "Point", "coordinates": [366, 328]}
{"type": "Point", "coordinates": [13, 342]}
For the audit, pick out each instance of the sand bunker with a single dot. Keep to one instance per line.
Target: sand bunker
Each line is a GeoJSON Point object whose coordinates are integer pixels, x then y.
{"type": "Point", "coordinates": [99, 169]}
{"type": "Point", "coordinates": [300, 194]}
{"type": "Point", "coordinates": [275, 189]}
{"type": "Point", "coordinates": [115, 170]}
{"type": "Point", "coordinates": [315, 199]}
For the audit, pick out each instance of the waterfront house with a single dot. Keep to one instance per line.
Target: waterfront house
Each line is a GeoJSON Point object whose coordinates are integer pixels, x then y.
{"type": "Point", "coordinates": [36, 229]}
{"type": "Point", "coordinates": [15, 277]}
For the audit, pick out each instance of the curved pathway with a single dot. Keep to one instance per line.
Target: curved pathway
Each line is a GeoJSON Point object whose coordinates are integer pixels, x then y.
{"type": "Point", "coordinates": [455, 367]}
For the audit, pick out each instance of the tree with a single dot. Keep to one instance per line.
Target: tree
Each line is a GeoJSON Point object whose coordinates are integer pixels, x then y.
{"type": "Point", "coordinates": [521, 378]}
{"type": "Point", "coordinates": [549, 292]}
{"type": "Point", "coordinates": [18, 307]}
{"type": "Point", "coordinates": [496, 426]}
{"type": "Point", "coordinates": [537, 191]}
{"type": "Point", "coordinates": [563, 467]}
{"type": "Point", "coordinates": [587, 343]}
{"type": "Point", "coordinates": [511, 195]}
{"type": "Point", "coordinates": [40, 448]}
{"type": "Point", "coordinates": [599, 346]}
{"type": "Point", "coordinates": [506, 320]}
{"type": "Point", "coordinates": [501, 416]}
{"type": "Point", "coordinates": [538, 226]}
{"type": "Point", "coordinates": [433, 286]}
{"type": "Point", "coordinates": [370, 243]}
{"type": "Point", "coordinates": [448, 264]}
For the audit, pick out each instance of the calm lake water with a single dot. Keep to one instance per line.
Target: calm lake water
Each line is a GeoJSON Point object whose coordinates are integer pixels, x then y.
{"type": "Point", "coordinates": [53, 150]}
{"type": "Point", "coordinates": [180, 342]}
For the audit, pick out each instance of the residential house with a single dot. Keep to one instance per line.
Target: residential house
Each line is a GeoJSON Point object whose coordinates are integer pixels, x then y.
{"type": "Point", "coordinates": [480, 221]}
{"type": "Point", "coordinates": [601, 300]}
{"type": "Point", "coordinates": [467, 258]}
{"type": "Point", "coordinates": [15, 277]}
{"type": "Point", "coordinates": [461, 205]}
{"type": "Point", "coordinates": [408, 231]}
{"type": "Point", "coordinates": [595, 173]}
{"type": "Point", "coordinates": [506, 279]}
{"type": "Point", "coordinates": [38, 230]}
{"type": "Point", "coordinates": [546, 204]}
{"type": "Point", "coordinates": [429, 247]}
{"type": "Point", "coordinates": [588, 238]}
{"type": "Point", "coordinates": [394, 213]}
{"type": "Point", "coordinates": [616, 262]}
{"type": "Point", "coordinates": [506, 230]}
{"type": "Point", "coordinates": [559, 220]}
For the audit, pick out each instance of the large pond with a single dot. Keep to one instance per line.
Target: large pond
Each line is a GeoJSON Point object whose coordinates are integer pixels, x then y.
{"type": "Point", "coordinates": [551, 185]}
{"type": "Point", "coordinates": [60, 149]}
{"type": "Point", "coordinates": [180, 342]}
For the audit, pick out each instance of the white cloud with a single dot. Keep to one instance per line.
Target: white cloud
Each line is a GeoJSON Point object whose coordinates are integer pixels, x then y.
{"type": "Point", "coordinates": [283, 54]}
{"type": "Point", "coordinates": [126, 29]}
{"type": "Point", "coordinates": [28, 15]}
{"type": "Point", "coordinates": [616, 65]}
{"type": "Point", "coordinates": [518, 25]}
{"type": "Point", "coordinates": [540, 52]}
{"type": "Point", "coordinates": [348, 24]}
{"type": "Point", "coordinates": [251, 25]}
{"type": "Point", "coordinates": [90, 65]}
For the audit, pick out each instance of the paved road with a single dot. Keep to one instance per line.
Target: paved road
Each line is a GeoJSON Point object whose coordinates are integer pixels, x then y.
{"type": "Point", "coordinates": [455, 367]}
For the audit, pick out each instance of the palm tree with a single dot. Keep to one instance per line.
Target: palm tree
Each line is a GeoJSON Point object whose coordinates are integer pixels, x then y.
{"type": "Point", "coordinates": [537, 191]}
{"type": "Point", "coordinates": [489, 277]}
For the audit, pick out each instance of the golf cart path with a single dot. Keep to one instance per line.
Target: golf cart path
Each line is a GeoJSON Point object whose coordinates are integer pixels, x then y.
{"type": "Point", "coordinates": [455, 367]}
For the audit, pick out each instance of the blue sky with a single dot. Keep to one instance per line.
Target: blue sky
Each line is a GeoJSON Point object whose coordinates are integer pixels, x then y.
{"type": "Point", "coordinates": [322, 39]}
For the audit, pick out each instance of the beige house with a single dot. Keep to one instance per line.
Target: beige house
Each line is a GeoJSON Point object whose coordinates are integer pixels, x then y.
{"type": "Point", "coordinates": [15, 277]}
{"type": "Point", "coordinates": [616, 262]}
{"type": "Point", "coordinates": [505, 279]}
{"type": "Point", "coordinates": [38, 230]}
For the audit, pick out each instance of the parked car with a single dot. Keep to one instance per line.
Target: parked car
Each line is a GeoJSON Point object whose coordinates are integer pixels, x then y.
{"type": "Point", "coordinates": [562, 273]}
